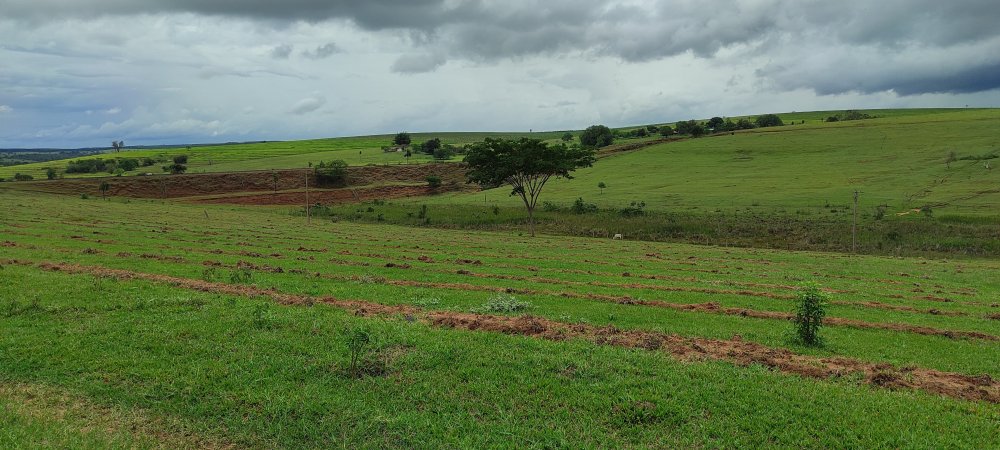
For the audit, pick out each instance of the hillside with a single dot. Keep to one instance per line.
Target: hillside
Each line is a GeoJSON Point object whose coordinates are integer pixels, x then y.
{"type": "Point", "coordinates": [359, 150]}
{"type": "Point", "coordinates": [899, 161]}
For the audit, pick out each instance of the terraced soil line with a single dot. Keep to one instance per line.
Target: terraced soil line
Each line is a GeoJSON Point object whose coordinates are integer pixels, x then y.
{"type": "Point", "coordinates": [736, 350]}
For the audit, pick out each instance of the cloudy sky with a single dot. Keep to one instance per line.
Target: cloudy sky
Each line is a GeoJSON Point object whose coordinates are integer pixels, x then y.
{"type": "Point", "coordinates": [84, 72]}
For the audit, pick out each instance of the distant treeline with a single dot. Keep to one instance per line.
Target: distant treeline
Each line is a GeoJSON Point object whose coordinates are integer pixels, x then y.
{"type": "Point", "coordinates": [111, 165]}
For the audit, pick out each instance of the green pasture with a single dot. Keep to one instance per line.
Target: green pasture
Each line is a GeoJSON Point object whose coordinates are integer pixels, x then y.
{"type": "Point", "coordinates": [200, 369]}
{"type": "Point", "coordinates": [899, 161]}
{"type": "Point", "coordinates": [359, 150]}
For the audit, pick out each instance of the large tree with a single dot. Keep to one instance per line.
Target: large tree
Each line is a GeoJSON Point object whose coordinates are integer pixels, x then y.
{"type": "Point", "coordinates": [525, 164]}
{"type": "Point", "coordinates": [597, 136]}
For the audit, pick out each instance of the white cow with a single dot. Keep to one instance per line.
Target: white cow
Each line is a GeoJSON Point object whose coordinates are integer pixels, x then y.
{"type": "Point", "coordinates": [617, 236]}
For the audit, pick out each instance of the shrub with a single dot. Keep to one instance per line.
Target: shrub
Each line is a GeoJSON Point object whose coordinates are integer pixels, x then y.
{"type": "Point", "coordinates": [50, 173]}
{"type": "Point", "coordinates": [809, 312]}
{"type": "Point", "coordinates": [331, 173]}
{"type": "Point", "coordinates": [430, 146]}
{"type": "Point", "coordinates": [880, 212]}
{"type": "Point", "coordinates": [546, 206]}
{"type": "Point", "coordinates": [128, 164]}
{"type": "Point", "coordinates": [442, 153]}
{"type": "Point", "coordinates": [566, 137]}
{"type": "Point", "coordinates": [582, 207]}
{"type": "Point", "coordinates": [634, 209]}
{"type": "Point", "coordinates": [502, 303]}
{"type": "Point", "coordinates": [261, 317]}
{"type": "Point", "coordinates": [433, 182]}
{"type": "Point", "coordinates": [241, 276]}
{"type": "Point", "coordinates": [175, 168]}
{"type": "Point", "coordinates": [23, 177]}
{"type": "Point", "coordinates": [181, 159]}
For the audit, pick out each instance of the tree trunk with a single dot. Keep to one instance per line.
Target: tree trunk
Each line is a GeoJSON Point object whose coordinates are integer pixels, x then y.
{"type": "Point", "coordinates": [531, 221]}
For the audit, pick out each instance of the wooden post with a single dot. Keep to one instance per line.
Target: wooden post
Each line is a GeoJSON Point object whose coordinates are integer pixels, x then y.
{"type": "Point", "coordinates": [854, 226]}
{"type": "Point", "coordinates": [308, 217]}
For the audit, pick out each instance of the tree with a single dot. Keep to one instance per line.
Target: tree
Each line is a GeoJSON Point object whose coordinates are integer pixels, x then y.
{"type": "Point", "coordinates": [601, 186]}
{"type": "Point", "coordinates": [430, 146]}
{"type": "Point", "coordinates": [331, 173]}
{"type": "Point", "coordinates": [446, 152]}
{"type": "Point", "coordinates": [696, 130]}
{"type": "Point", "coordinates": [768, 120]}
{"type": "Point", "coordinates": [117, 145]}
{"type": "Point", "coordinates": [715, 122]}
{"type": "Point", "coordinates": [175, 168]}
{"type": "Point", "coordinates": [50, 173]}
{"type": "Point", "coordinates": [402, 138]}
{"type": "Point", "coordinates": [433, 182]}
{"type": "Point", "coordinates": [567, 136]}
{"type": "Point", "coordinates": [526, 165]}
{"type": "Point", "coordinates": [181, 159]}
{"type": "Point", "coordinates": [666, 131]}
{"type": "Point", "coordinates": [104, 187]}
{"type": "Point", "coordinates": [597, 136]}
{"type": "Point", "coordinates": [684, 127]}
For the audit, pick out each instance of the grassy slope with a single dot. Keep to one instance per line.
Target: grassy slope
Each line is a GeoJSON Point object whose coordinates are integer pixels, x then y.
{"type": "Point", "coordinates": [239, 370]}
{"type": "Point", "coordinates": [278, 155]}
{"type": "Point", "coordinates": [898, 160]}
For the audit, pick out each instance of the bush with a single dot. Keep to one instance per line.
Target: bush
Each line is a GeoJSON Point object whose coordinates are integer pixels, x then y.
{"type": "Point", "coordinates": [175, 168]}
{"type": "Point", "coordinates": [433, 182]}
{"type": "Point", "coordinates": [23, 177]}
{"type": "Point", "coordinates": [129, 164]}
{"type": "Point", "coordinates": [546, 206]}
{"type": "Point", "coordinates": [430, 146]}
{"type": "Point", "coordinates": [50, 173]}
{"type": "Point", "coordinates": [809, 312]}
{"type": "Point", "coordinates": [181, 159]}
{"type": "Point", "coordinates": [566, 137]}
{"type": "Point", "coordinates": [443, 153]}
{"type": "Point", "coordinates": [331, 173]}
{"type": "Point", "coordinates": [582, 207]}
{"type": "Point", "coordinates": [634, 209]}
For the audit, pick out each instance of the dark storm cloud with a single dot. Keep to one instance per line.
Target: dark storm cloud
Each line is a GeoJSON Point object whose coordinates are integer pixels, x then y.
{"type": "Point", "coordinates": [788, 33]}
{"type": "Point", "coordinates": [282, 51]}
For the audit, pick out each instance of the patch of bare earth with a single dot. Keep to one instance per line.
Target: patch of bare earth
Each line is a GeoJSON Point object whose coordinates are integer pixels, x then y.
{"type": "Point", "coordinates": [736, 350]}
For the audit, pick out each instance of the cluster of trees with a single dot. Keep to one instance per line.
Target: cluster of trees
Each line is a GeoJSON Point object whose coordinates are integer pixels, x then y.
{"type": "Point", "coordinates": [849, 115]}
{"type": "Point", "coordinates": [597, 136]}
{"type": "Point", "coordinates": [432, 147]}
{"type": "Point", "coordinates": [333, 173]}
{"type": "Point", "coordinates": [179, 165]}
{"type": "Point", "coordinates": [112, 165]}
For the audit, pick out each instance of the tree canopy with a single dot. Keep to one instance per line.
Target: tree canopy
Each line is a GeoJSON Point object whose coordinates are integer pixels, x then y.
{"type": "Point", "coordinates": [402, 138]}
{"type": "Point", "coordinates": [597, 136]}
{"type": "Point", "coordinates": [525, 164]}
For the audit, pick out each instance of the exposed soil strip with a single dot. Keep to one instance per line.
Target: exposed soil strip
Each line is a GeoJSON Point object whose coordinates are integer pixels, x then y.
{"type": "Point", "coordinates": [736, 350]}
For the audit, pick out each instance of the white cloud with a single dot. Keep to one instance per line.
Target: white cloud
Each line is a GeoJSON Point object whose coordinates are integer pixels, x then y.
{"type": "Point", "coordinates": [308, 105]}
{"type": "Point", "coordinates": [4, 109]}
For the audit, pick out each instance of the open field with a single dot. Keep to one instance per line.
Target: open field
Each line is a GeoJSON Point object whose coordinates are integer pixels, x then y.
{"type": "Point", "coordinates": [360, 150]}
{"type": "Point", "coordinates": [898, 161]}
{"type": "Point", "coordinates": [210, 325]}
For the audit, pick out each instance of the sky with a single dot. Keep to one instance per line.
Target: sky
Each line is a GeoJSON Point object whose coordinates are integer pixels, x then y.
{"type": "Point", "coordinates": [81, 73]}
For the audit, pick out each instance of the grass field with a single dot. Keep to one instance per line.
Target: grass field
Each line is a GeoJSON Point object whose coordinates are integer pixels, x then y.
{"type": "Point", "coordinates": [898, 161]}
{"type": "Point", "coordinates": [141, 323]}
{"type": "Point", "coordinates": [359, 150]}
